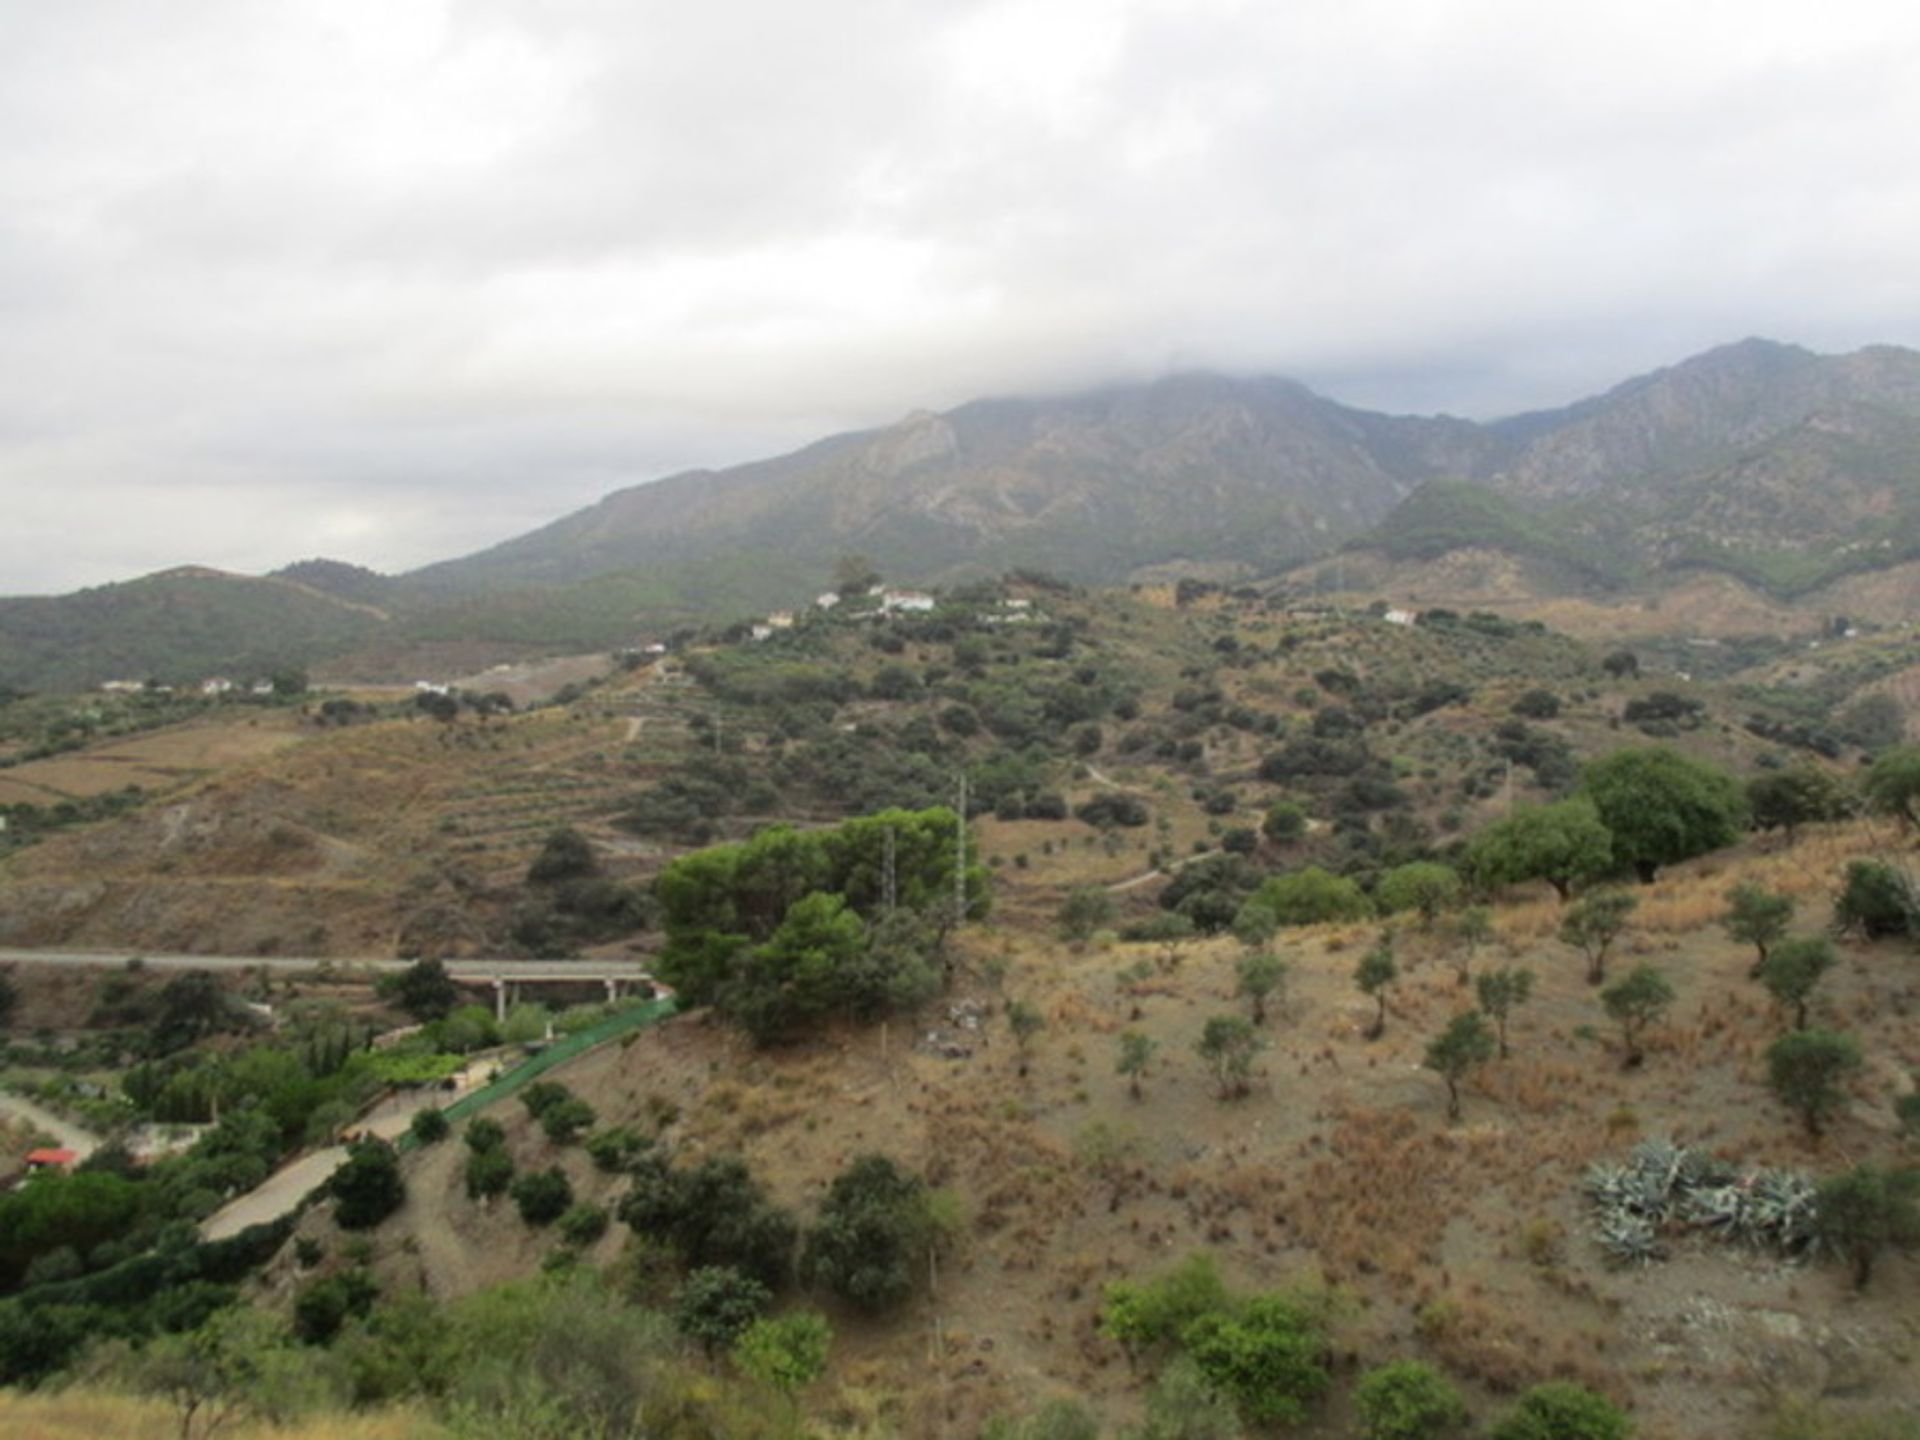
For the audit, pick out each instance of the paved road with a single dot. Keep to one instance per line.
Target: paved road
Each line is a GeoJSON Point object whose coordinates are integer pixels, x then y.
{"type": "Point", "coordinates": [479, 971]}
{"type": "Point", "coordinates": [293, 1182]}
{"type": "Point", "coordinates": [71, 1136]}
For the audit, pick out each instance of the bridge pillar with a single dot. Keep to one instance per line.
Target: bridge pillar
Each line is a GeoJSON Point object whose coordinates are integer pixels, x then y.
{"type": "Point", "coordinates": [613, 989]}
{"type": "Point", "coordinates": [499, 1002]}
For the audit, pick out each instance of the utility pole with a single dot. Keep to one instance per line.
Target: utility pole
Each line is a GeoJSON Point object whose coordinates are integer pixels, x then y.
{"type": "Point", "coordinates": [889, 876]}
{"type": "Point", "coordinates": [960, 858]}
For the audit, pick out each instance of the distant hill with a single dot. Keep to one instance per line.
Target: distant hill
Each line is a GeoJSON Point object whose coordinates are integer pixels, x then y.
{"type": "Point", "coordinates": [1091, 487]}
{"type": "Point", "coordinates": [339, 579]}
{"type": "Point", "coordinates": [178, 626]}
{"type": "Point", "coordinates": [1788, 470]}
{"type": "Point", "coordinates": [1782, 467]}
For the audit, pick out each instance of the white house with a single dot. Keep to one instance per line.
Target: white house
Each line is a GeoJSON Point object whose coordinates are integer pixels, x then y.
{"type": "Point", "coordinates": [216, 685]}
{"type": "Point", "coordinates": [761, 632]}
{"type": "Point", "coordinates": [122, 687]}
{"type": "Point", "coordinates": [781, 620]}
{"type": "Point", "coordinates": [1400, 617]}
{"type": "Point", "coordinates": [898, 601]}
{"type": "Point", "coordinates": [826, 600]}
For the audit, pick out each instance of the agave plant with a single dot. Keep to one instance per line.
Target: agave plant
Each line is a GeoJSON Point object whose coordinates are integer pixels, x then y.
{"type": "Point", "coordinates": [1663, 1185]}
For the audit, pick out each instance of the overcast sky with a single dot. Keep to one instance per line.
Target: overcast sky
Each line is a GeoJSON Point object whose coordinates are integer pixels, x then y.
{"type": "Point", "coordinates": [389, 280]}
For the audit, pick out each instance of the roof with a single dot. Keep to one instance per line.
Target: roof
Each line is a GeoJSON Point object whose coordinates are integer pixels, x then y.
{"type": "Point", "coordinates": [52, 1157]}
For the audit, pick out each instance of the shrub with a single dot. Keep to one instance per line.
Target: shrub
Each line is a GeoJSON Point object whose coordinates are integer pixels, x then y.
{"type": "Point", "coordinates": [542, 1196]}
{"type": "Point", "coordinates": [1271, 1357]}
{"type": "Point", "coordinates": [367, 1187]}
{"type": "Point", "coordinates": [1560, 1410]}
{"type": "Point", "coordinates": [1806, 1069]}
{"type": "Point", "coordinates": [716, 1304]}
{"type": "Point", "coordinates": [1143, 1315]}
{"type": "Point", "coordinates": [616, 1148]}
{"type": "Point", "coordinates": [489, 1172]}
{"type": "Point", "coordinates": [485, 1133]}
{"type": "Point", "coordinates": [1284, 823]}
{"type": "Point", "coordinates": [789, 1353]}
{"type": "Point", "coordinates": [713, 1214]}
{"type": "Point", "coordinates": [1864, 1211]}
{"type": "Point", "coordinates": [1114, 809]}
{"type": "Point", "coordinates": [1537, 704]}
{"type": "Point", "coordinates": [1876, 900]}
{"type": "Point", "coordinates": [429, 1125]}
{"type": "Point", "coordinates": [1312, 896]}
{"type": "Point", "coordinates": [873, 1230]}
{"type": "Point", "coordinates": [582, 1224]}
{"type": "Point", "coordinates": [1425, 886]}
{"type": "Point", "coordinates": [1406, 1400]}
{"type": "Point", "coordinates": [324, 1306]}
{"type": "Point", "coordinates": [564, 1122]}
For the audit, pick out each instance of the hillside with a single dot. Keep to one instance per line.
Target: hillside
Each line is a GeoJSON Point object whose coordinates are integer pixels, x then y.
{"type": "Point", "coordinates": [1090, 487]}
{"type": "Point", "coordinates": [179, 627]}
{"type": "Point", "coordinates": [1795, 474]}
{"type": "Point", "coordinates": [1783, 468]}
{"type": "Point", "coordinates": [1153, 762]}
{"type": "Point", "coordinates": [402, 834]}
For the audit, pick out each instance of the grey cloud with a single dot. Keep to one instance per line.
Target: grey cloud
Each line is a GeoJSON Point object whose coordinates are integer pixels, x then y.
{"type": "Point", "coordinates": [396, 278]}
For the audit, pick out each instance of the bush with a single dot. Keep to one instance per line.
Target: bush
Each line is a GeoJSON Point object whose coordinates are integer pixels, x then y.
{"type": "Point", "coordinates": [564, 1122]}
{"type": "Point", "coordinates": [565, 855]}
{"type": "Point", "coordinates": [713, 1214]}
{"type": "Point", "coordinates": [485, 1133]}
{"type": "Point", "coordinates": [616, 1148]}
{"type": "Point", "coordinates": [1563, 1411]}
{"type": "Point", "coordinates": [1537, 704]}
{"type": "Point", "coordinates": [489, 1172]}
{"type": "Point", "coordinates": [429, 1126]}
{"type": "Point", "coordinates": [542, 1195]}
{"type": "Point", "coordinates": [717, 1304]}
{"type": "Point", "coordinates": [1143, 1315]}
{"type": "Point", "coordinates": [1114, 809]}
{"type": "Point", "coordinates": [1407, 1400]}
{"type": "Point", "coordinates": [583, 1224]}
{"type": "Point", "coordinates": [367, 1187]}
{"type": "Point", "coordinates": [872, 1233]}
{"type": "Point", "coordinates": [1285, 822]}
{"type": "Point", "coordinates": [1271, 1357]}
{"type": "Point", "coordinates": [1876, 900]}
{"type": "Point", "coordinates": [324, 1306]}
{"type": "Point", "coordinates": [1312, 897]}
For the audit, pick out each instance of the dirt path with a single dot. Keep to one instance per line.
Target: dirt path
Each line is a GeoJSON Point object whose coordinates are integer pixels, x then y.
{"type": "Point", "coordinates": [1121, 886]}
{"type": "Point", "coordinates": [293, 1182]}
{"type": "Point", "coordinates": [82, 1142]}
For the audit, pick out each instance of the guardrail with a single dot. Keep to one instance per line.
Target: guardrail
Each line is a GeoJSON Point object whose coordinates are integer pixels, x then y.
{"type": "Point", "coordinates": [568, 1047]}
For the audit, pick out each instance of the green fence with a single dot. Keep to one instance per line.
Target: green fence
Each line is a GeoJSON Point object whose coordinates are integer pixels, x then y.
{"type": "Point", "coordinates": [569, 1047]}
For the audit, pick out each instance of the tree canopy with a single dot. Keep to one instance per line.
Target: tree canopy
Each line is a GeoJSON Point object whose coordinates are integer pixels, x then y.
{"type": "Point", "coordinates": [1563, 844]}
{"type": "Point", "coordinates": [1662, 807]}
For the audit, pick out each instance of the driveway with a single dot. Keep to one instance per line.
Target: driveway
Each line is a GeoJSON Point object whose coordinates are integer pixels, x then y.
{"type": "Point", "coordinates": [82, 1142]}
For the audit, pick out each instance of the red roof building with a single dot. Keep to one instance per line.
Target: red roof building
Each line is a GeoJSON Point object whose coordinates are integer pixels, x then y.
{"type": "Point", "coordinates": [51, 1159]}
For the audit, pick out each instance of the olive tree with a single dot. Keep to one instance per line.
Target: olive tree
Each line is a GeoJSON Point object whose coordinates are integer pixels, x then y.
{"type": "Point", "coordinates": [1636, 1002]}
{"type": "Point", "coordinates": [1758, 917]}
{"type": "Point", "coordinates": [1591, 925]}
{"type": "Point", "coordinates": [1806, 1069]}
{"type": "Point", "coordinates": [1499, 992]}
{"type": "Point", "coordinates": [1463, 1045]}
{"type": "Point", "coordinates": [1793, 971]}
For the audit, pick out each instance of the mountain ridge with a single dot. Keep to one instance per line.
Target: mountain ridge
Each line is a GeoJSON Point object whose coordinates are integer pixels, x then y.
{"type": "Point", "coordinates": [1783, 467]}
